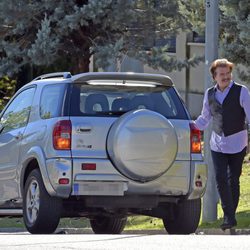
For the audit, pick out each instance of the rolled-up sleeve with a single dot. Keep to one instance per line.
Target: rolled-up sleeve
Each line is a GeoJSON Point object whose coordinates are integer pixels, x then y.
{"type": "Point", "coordinates": [203, 120]}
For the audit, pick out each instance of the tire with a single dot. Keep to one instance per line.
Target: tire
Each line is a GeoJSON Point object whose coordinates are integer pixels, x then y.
{"type": "Point", "coordinates": [41, 212]}
{"type": "Point", "coordinates": [108, 225]}
{"type": "Point", "coordinates": [186, 217]}
{"type": "Point", "coordinates": [142, 145]}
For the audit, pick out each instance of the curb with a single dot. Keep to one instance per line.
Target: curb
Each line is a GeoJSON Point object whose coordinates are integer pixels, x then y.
{"type": "Point", "coordinates": [217, 231]}
{"type": "Point", "coordinates": [214, 231]}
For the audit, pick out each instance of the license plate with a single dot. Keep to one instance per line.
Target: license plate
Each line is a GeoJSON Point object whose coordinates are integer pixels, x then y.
{"type": "Point", "coordinates": [100, 188]}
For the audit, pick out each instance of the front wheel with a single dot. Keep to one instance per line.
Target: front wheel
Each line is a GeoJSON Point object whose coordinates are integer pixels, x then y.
{"type": "Point", "coordinates": [185, 219]}
{"type": "Point", "coordinates": [108, 225]}
{"type": "Point", "coordinates": [41, 212]}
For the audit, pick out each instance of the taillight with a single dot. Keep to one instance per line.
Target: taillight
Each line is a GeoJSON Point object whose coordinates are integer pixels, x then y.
{"type": "Point", "coordinates": [62, 135]}
{"type": "Point", "coordinates": [195, 138]}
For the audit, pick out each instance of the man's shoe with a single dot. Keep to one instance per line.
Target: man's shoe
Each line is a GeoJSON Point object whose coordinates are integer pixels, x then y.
{"type": "Point", "coordinates": [228, 225]}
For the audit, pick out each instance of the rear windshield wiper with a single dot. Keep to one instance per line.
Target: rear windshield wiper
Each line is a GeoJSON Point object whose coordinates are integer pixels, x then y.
{"type": "Point", "coordinates": [120, 112]}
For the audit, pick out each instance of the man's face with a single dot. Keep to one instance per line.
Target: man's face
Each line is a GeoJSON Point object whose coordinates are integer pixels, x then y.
{"type": "Point", "coordinates": [223, 77]}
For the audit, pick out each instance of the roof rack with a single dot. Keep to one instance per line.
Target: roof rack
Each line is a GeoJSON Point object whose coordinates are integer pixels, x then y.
{"type": "Point", "coordinates": [64, 75]}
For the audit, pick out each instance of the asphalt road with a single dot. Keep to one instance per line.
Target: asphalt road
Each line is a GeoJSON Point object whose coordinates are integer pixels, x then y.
{"type": "Point", "coordinates": [26, 241]}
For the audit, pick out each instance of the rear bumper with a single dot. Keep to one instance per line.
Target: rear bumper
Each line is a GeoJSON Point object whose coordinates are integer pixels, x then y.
{"type": "Point", "coordinates": [175, 182]}
{"type": "Point", "coordinates": [59, 168]}
{"type": "Point", "coordinates": [107, 181]}
{"type": "Point", "coordinates": [199, 174]}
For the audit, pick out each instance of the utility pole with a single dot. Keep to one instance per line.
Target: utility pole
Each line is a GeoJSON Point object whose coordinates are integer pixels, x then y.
{"type": "Point", "coordinates": [210, 199]}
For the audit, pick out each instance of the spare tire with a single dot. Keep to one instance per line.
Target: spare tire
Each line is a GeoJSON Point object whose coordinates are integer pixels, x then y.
{"type": "Point", "coordinates": [142, 145]}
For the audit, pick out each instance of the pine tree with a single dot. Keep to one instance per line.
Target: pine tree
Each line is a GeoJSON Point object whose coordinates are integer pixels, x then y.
{"type": "Point", "coordinates": [66, 34]}
{"type": "Point", "coordinates": [235, 34]}
{"type": "Point", "coordinates": [195, 12]}
{"type": "Point", "coordinates": [234, 29]}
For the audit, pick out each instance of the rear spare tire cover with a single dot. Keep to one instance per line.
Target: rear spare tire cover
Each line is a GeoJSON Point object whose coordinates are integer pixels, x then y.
{"type": "Point", "coordinates": [142, 145]}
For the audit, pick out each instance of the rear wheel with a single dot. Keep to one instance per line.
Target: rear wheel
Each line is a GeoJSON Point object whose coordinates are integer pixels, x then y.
{"type": "Point", "coordinates": [41, 212]}
{"type": "Point", "coordinates": [186, 217]}
{"type": "Point", "coordinates": [108, 225]}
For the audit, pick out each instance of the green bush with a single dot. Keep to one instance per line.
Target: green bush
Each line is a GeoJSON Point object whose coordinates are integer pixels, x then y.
{"type": "Point", "coordinates": [7, 89]}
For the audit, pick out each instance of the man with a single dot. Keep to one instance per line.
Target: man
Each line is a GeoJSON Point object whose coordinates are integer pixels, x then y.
{"type": "Point", "coordinates": [227, 104]}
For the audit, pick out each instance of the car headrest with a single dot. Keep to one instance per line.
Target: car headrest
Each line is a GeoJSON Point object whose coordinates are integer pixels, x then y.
{"type": "Point", "coordinates": [95, 103]}
{"type": "Point", "coordinates": [142, 102]}
{"type": "Point", "coordinates": [120, 104]}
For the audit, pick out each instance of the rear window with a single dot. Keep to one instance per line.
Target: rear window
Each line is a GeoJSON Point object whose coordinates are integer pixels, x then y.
{"type": "Point", "coordinates": [115, 100]}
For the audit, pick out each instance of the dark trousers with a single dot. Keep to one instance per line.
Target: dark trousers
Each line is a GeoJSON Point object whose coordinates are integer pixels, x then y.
{"type": "Point", "coordinates": [228, 169]}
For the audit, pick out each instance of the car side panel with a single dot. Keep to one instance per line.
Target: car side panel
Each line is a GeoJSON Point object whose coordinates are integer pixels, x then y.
{"type": "Point", "coordinates": [9, 148]}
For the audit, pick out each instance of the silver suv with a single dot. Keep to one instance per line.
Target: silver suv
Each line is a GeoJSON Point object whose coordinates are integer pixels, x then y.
{"type": "Point", "coordinates": [102, 146]}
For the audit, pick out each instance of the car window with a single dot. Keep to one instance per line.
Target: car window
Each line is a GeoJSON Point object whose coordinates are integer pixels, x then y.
{"type": "Point", "coordinates": [51, 99]}
{"type": "Point", "coordinates": [17, 113]}
{"type": "Point", "coordinates": [110, 100]}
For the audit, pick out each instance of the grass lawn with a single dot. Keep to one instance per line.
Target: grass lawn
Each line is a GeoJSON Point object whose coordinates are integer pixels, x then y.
{"type": "Point", "coordinates": [243, 210]}
{"type": "Point", "coordinates": [144, 222]}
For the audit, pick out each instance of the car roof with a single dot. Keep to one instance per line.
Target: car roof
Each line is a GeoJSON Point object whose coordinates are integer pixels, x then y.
{"type": "Point", "coordinates": [91, 76]}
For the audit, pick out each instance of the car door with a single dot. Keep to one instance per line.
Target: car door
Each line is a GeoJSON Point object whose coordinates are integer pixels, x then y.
{"type": "Point", "coordinates": [13, 121]}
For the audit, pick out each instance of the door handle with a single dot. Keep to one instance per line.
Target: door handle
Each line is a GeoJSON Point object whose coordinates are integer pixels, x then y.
{"type": "Point", "coordinates": [83, 129]}
{"type": "Point", "coordinates": [19, 136]}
